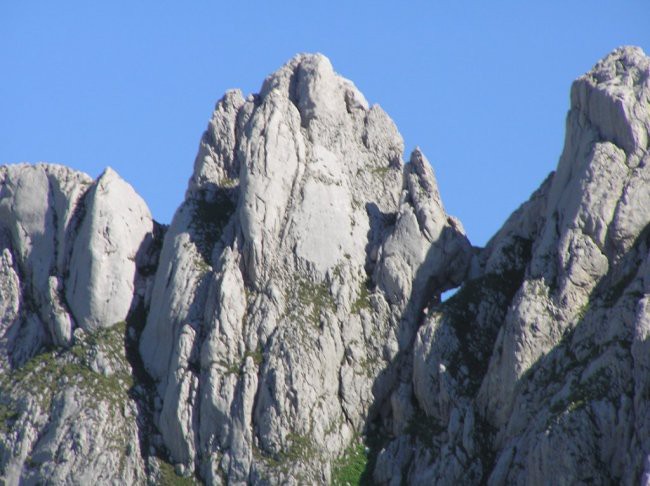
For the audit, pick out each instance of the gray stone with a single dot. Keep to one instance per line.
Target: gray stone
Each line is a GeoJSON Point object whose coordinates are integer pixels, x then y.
{"type": "Point", "coordinates": [293, 308]}
{"type": "Point", "coordinates": [300, 293]}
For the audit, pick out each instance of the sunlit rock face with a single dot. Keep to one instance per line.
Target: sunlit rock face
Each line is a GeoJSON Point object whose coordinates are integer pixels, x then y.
{"type": "Point", "coordinates": [292, 280]}
{"type": "Point", "coordinates": [76, 259]}
{"type": "Point", "coordinates": [70, 249]}
{"type": "Point", "coordinates": [287, 327]}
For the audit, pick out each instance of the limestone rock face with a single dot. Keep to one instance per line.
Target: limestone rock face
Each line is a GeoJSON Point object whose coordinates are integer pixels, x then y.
{"type": "Point", "coordinates": [423, 245]}
{"type": "Point", "coordinates": [291, 278]}
{"type": "Point", "coordinates": [117, 225]}
{"type": "Point", "coordinates": [287, 328]}
{"type": "Point", "coordinates": [64, 422]}
{"type": "Point", "coordinates": [37, 207]}
{"type": "Point", "coordinates": [530, 373]}
{"type": "Point", "coordinates": [70, 247]}
{"type": "Point", "coordinates": [75, 257]}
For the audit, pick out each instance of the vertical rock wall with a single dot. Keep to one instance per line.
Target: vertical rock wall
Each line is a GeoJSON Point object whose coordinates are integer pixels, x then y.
{"type": "Point", "coordinates": [291, 279]}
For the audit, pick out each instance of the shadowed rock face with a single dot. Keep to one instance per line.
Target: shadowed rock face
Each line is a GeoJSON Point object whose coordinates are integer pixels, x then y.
{"type": "Point", "coordinates": [292, 308]}
{"type": "Point", "coordinates": [532, 373]}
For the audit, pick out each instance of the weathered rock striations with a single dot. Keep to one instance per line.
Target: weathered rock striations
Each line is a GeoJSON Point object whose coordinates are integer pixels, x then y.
{"type": "Point", "coordinates": [70, 249]}
{"type": "Point", "coordinates": [290, 315]}
{"type": "Point", "coordinates": [291, 280]}
{"type": "Point", "coordinates": [76, 259]}
{"type": "Point", "coordinates": [530, 374]}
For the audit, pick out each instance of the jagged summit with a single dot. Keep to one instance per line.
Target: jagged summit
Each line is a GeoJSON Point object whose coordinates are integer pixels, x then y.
{"type": "Point", "coordinates": [613, 96]}
{"type": "Point", "coordinates": [538, 347]}
{"type": "Point", "coordinates": [315, 89]}
{"type": "Point", "coordinates": [321, 253]}
{"type": "Point", "coordinates": [290, 315]}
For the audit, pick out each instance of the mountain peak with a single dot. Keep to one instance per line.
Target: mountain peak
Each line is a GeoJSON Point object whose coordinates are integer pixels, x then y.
{"type": "Point", "coordinates": [295, 301]}
{"type": "Point", "coordinates": [613, 98]}
{"type": "Point", "coordinates": [310, 82]}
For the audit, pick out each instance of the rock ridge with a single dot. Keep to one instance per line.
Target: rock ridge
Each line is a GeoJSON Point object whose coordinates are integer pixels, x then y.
{"type": "Point", "coordinates": [287, 327]}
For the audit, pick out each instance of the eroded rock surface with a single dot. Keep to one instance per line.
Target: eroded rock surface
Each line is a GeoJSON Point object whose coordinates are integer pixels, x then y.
{"type": "Point", "coordinates": [530, 373]}
{"type": "Point", "coordinates": [292, 279]}
{"type": "Point", "coordinates": [289, 329]}
{"type": "Point", "coordinates": [76, 259]}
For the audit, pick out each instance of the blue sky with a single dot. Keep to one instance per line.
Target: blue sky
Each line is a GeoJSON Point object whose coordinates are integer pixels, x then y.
{"type": "Point", "coordinates": [482, 88]}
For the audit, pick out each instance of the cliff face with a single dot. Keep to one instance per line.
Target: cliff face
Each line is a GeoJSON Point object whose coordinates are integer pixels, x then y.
{"type": "Point", "coordinates": [77, 257]}
{"type": "Point", "coordinates": [277, 325]}
{"type": "Point", "coordinates": [535, 372]}
{"type": "Point", "coordinates": [291, 311]}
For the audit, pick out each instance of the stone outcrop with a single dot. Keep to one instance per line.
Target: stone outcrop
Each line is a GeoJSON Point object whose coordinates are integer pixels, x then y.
{"type": "Point", "coordinates": [531, 373]}
{"type": "Point", "coordinates": [77, 258]}
{"type": "Point", "coordinates": [291, 280]}
{"type": "Point", "coordinates": [70, 250]}
{"type": "Point", "coordinates": [287, 328]}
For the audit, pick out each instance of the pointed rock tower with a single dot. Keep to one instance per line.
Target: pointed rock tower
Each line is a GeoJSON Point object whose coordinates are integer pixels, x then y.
{"type": "Point", "coordinates": [292, 280]}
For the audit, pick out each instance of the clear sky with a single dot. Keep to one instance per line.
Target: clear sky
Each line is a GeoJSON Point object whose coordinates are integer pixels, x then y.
{"type": "Point", "coordinates": [481, 87]}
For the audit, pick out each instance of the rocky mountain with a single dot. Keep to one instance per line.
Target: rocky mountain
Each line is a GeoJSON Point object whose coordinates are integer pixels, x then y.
{"type": "Point", "coordinates": [287, 327]}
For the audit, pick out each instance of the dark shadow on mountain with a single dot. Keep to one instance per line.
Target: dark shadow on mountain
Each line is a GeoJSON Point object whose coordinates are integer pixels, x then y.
{"type": "Point", "coordinates": [579, 348]}
{"type": "Point", "coordinates": [476, 342]}
{"type": "Point", "coordinates": [426, 293]}
{"type": "Point", "coordinates": [212, 209]}
{"type": "Point", "coordinates": [553, 371]}
{"type": "Point", "coordinates": [143, 390]}
{"type": "Point", "coordinates": [379, 223]}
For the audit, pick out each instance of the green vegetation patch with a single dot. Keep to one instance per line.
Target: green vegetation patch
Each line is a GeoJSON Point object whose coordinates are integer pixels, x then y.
{"type": "Point", "coordinates": [314, 298]}
{"type": "Point", "coordinates": [349, 468]}
{"type": "Point", "coordinates": [363, 298]}
{"type": "Point", "coordinates": [369, 364]}
{"type": "Point", "coordinates": [8, 416]}
{"type": "Point", "coordinates": [228, 182]}
{"type": "Point", "coordinates": [596, 387]}
{"type": "Point", "coordinates": [232, 368]}
{"type": "Point", "coordinates": [168, 476]}
{"type": "Point", "coordinates": [257, 356]}
{"type": "Point", "coordinates": [43, 374]}
{"type": "Point", "coordinates": [380, 171]}
{"type": "Point", "coordinates": [300, 448]}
